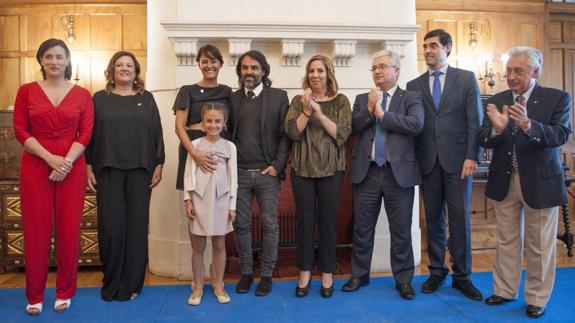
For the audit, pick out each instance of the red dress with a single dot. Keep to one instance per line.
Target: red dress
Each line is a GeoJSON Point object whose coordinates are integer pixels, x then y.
{"type": "Point", "coordinates": [42, 200]}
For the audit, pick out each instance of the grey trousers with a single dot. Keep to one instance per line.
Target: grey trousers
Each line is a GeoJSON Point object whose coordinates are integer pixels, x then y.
{"type": "Point", "coordinates": [265, 188]}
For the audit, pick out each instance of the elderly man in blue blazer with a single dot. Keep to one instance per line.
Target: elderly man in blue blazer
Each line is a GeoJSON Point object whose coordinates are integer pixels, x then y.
{"type": "Point", "coordinates": [384, 165]}
{"type": "Point", "coordinates": [526, 126]}
{"type": "Point", "coordinates": [447, 152]}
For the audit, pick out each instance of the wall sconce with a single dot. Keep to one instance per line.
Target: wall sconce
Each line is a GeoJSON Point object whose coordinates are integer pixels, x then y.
{"type": "Point", "coordinates": [472, 36]}
{"type": "Point", "coordinates": [68, 24]}
{"type": "Point", "coordinates": [489, 76]}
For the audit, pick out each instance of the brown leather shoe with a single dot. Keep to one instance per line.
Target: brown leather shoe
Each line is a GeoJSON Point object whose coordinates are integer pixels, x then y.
{"type": "Point", "coordinates": [496, 300]}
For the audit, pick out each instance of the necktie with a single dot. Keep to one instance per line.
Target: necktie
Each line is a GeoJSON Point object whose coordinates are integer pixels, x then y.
{"type": "Point", "coordinates": [380, 150]}
{"type": "Point", "coordinates": [251, 94]}
{"type": "Point", "coordinates": [436, 89]}
{"type": "Point", "coordinates": [521, 100]}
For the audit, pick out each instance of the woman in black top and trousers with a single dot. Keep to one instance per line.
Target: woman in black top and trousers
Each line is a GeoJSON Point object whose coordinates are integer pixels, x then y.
{"type": "Point", "coordinates": [125, 158]}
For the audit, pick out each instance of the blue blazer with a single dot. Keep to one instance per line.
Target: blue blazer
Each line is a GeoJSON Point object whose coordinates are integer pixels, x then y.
{"type": "Point", "coordinates": [450, 133]}
{"type": "Point", "coordinates": [402, 122]}
{"type": "Point", "coordinates": [538, 154]}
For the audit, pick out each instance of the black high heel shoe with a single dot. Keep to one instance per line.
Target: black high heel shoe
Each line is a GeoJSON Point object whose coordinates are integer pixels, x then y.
{"type": "Point", "coordinates": [302, 291]}
{"type": "Point", "coordinates": [326, 292]}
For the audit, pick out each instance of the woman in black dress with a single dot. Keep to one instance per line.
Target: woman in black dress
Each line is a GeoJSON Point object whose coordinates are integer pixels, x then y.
{"type": "Point", "coordinates": [125, 158]}
{"type": "Point", "coordinates": [188, 107]}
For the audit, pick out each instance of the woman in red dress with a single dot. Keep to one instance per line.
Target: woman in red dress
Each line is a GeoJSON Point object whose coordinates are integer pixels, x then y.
{"type": "Point", "coordinates": [53, 120]}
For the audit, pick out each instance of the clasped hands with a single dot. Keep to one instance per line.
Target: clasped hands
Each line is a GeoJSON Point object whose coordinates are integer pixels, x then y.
{"type": "Point", "coordinates": [310, 106]}
{"type": "Point", "coordinates": [500, 119]}
{"type": "Point", "coordinates": [61, 166]}
{"type": "Point", "coordinates": [373, 98]}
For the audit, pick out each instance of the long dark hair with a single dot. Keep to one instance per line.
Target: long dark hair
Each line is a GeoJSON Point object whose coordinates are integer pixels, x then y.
{"type": "Point", "coordinates": [258, 56]}
{"type": "Point", "coordinates": [138, 84]}
{"type": "Point", "coordinates": [45, 46]}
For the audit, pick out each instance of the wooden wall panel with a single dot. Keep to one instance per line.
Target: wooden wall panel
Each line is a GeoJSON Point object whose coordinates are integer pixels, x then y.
{"type": "Point", "coordinates": [81, 30]}
{"type": "Point", "coordinates": [9, 78]}
{"type": "Point", "coordinates": [37, 28]}
{"type": "Point", "coordinates": [10, 33]}
{"type": "Point", "coordinates": [528, 34]}
{"type": "Point", "coordinates": [99, 32]}
{"type": "Point", "coordinates": [134, 32]}
{"type": "Point", "coordinates": [106, 32]}
{"type": "Point", "coordinates": [569, 31]}
{"type": "Point", "coordinates": [555, 75]}
{"type": "Point", "coordinates": [555, 31]}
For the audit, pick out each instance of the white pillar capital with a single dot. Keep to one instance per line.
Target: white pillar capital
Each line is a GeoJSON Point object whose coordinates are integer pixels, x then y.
{"type": "Point", "coordinates": [186, 50]}
{"type": "Point", "coordinates": [238, 46]}
{"type": "Point", "coordinates": [343, 52]}
{"type": "Point", "coordinates": [292, 51]}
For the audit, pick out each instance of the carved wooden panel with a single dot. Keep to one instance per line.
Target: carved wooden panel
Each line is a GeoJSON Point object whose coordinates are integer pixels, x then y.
{"type": "Point", "coordinates": [569, 32]}
{"type": "Point", "coordinates": [106, 32]}
{"type": "Point", "coordinates": [10, 32]}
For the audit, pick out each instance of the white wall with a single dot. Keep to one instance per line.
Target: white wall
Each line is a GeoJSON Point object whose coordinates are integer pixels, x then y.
{"type": "Point", "coordinates": [169, 244]}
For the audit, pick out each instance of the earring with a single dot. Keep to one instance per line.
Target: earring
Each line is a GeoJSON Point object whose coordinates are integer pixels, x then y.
{"type": "Point", "coordinates": [112, 81]}
{"type": "Point", "coordinates": [135, 82]}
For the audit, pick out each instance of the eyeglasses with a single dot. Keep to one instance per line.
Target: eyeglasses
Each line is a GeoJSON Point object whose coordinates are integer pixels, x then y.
{"type": "Point", "coordinates": [380, 67]}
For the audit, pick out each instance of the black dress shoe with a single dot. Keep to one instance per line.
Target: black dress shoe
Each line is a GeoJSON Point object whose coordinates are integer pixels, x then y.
{"type": "Point", "coordinates": [264, 287]}
{"type": "Point", "coordinates": [534, 311]}
{"type": "Point", "coordinates": [405, 290]}
{"type": "Point", "coordinates": [326, 292]}
{"type": "Point", "coordinates": [302, 291]}
{"type": "Point", "coordinates": [467, 288]}
{"type": "Point", "coordinates": [354, 284]}
{"type": "Point", "coordinates": [496, 300]}
{"type": "Point", "coordinates": [244, 284]}
{"type": "Point", "coordinates": [432, 283]}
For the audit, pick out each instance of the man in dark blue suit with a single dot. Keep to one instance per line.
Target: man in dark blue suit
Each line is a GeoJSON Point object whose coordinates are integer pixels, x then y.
{"type": "Point", "coordinates": [447, 152]}
{"type": "Point", "coordinates": [384, 165]}
{"type": "Point", "coordinates": [526, 126]}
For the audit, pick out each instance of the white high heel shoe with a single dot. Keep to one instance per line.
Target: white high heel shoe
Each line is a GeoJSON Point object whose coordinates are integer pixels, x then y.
{"type": "Point", "coordinates": [195, 300]}
{"type": "Point", "coordinates": [58, 305]}
{"type": "Point", "coordinates": [34, 309]}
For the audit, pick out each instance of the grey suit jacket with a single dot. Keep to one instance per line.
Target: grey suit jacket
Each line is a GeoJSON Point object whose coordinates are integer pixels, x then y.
{"type": "Point", "coordinates": [402, 122]}
{"type": "Point", "coordinates": [538, 155]}
{"type": "Point", "coordinates": [276, 144]}
{"type": "Point", "coordinates": [449, 135]}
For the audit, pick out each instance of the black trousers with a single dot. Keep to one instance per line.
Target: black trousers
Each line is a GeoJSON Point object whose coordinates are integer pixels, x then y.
{"type": "Point", "coordinates": [398, 201]}
{"type": "Point", "coordinates": [316, 197]}
{"type": "Point", "coordinates": [441, 191]}
{"type": "Point", "coordinates": [123, 214]}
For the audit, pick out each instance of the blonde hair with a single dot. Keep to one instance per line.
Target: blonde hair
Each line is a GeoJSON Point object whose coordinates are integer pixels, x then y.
{"type": "Point", "coordinates": [332, 87]}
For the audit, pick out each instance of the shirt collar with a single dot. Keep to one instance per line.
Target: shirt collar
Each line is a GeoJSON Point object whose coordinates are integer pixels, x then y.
{"type": "Point", "coordinates": [391, 91]}
{"type": "Point", "coordinates": [527, 93]}
{"type": "Point", "coordinates": [443, 70]}
{"type": "Point", "coordinates": [256, 91]}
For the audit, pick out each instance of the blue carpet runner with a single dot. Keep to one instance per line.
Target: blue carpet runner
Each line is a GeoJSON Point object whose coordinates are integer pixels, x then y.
{"type": "Point", "coordinates": [377, 302]}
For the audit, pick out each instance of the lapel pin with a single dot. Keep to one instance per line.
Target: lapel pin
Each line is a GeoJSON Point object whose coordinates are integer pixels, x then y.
{"type": "Point", "coordinates": [201, 90]}
{"type": "Point", "coordinates": [139, 104]}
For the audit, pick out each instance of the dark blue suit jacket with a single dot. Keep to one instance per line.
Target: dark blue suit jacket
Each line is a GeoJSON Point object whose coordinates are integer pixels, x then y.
{"type": "Point", "coordinates": [402, 122]}
{"type": "Point", "coordinates": [538, 155]}
{"type": "Point", "coordinates": [450, 134]}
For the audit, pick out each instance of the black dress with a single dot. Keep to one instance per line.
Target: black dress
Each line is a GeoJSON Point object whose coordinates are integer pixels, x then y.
{"type": "Point", "coordinates": [193, 97]}
{"type": "Point", "coordinates": [127, 145]}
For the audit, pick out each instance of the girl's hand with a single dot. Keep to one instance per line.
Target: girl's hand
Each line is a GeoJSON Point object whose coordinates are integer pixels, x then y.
{"type": "Point", "coordinates": [233, 215]}
{"type": "Point", "coordinates": [190, 209]}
